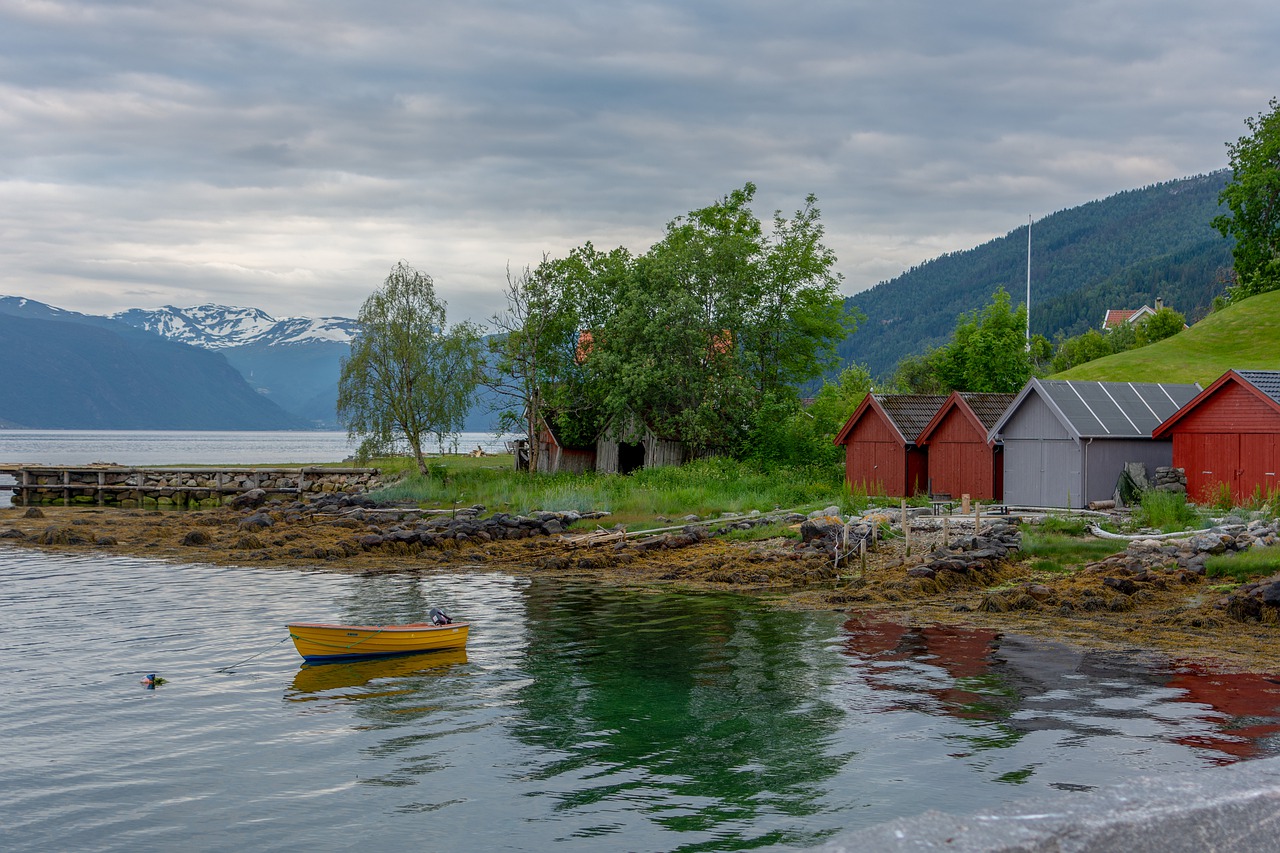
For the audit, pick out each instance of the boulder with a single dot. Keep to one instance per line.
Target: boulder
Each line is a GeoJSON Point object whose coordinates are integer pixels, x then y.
{"type": "Point", "coordinates": [251, 499]}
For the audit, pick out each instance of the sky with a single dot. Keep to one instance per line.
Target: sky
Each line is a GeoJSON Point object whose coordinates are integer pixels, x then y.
{"type": "Point", "coordinates": [284, 155]}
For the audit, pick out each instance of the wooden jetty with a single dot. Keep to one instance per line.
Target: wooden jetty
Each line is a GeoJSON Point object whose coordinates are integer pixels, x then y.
{"type": "Point", "coordinates": [171, 486]}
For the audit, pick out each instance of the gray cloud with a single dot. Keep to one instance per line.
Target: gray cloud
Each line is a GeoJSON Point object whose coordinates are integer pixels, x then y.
{"type": "Point", "coordinates": [284, 155]}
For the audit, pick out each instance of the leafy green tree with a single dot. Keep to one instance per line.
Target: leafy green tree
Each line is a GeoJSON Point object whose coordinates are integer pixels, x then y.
{"type": "Point", "coordinates": [1165, 323]}
{"type": "Point", "coordinates": [1081, 349]}
{"type": "Point", "coordinates": [918, 374]}
{"type": "Point", "coordinates": [1253, 196]}
{"type": "Point", "coordinates": [408, 375]}
{"type": "Point", "coordinates": [796, 316]}
{"type": "Point", "coordinates": [534, 347]}
{"type": "Point", "coordinates": [988, 350]}
{"type": "Point", "coordinates": [837, 400]}
{"type": "Point", "coordinates": [716, 318]}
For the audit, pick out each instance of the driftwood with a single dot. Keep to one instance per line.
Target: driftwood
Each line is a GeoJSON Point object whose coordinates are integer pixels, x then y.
{"type": "Point", "coordinates": [1105, 534]}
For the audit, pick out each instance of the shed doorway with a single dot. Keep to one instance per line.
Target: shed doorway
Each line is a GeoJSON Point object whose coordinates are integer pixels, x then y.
{"type": "Point", "coordinates": [630, 457]}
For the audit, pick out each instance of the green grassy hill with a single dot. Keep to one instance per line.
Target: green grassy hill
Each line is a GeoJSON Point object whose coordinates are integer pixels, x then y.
{"type": "Point", "coordinates": [1245, 336]}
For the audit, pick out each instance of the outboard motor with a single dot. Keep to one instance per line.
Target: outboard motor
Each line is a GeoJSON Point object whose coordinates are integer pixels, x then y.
{"type": "Point", "coordinates": [439, 617]}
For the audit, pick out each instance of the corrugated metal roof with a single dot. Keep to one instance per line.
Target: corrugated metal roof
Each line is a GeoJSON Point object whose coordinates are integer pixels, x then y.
{"type": "Point", "coordinates": [1115, 409]}
{"type": "Point", "coordinates": [1266, 381]}
{"type": "Point", "coordinates": [911, 413]}
{"type": "Point", "coordinates": [988, 407]}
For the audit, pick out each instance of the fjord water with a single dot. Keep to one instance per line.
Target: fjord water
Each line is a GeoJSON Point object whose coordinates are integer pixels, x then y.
{"type": "Point", "coordinates": [577, 719]}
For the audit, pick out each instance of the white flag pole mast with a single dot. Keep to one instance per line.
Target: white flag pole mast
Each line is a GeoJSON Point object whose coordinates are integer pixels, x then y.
{"type": "Point", "coordinates": [1028, 283]}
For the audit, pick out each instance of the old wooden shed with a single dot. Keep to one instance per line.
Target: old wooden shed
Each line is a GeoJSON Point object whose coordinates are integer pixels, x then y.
{"type": "Point", "coordinates": [1229, 436]}
{"type": "Point", "coordinates": [556, 455]}
{"type": "Point", "coordinates": [880, 451]}
{"type": "Point", "coordinates": [963, 458]}
{"type": "Point", "coordinates": [628, 443]}
{"type": "Point", "coordinates": [1066, 442]}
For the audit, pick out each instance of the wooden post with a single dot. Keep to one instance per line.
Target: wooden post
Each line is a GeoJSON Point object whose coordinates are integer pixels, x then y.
{"type": "Point", "coordinates": [862, 554]}
{"type": "Point", "coordinates": [906, 526]}
{"type": "Point", "coordinates": [964, 504]}
{"type": "Point", "coordinates": [102, 481]}
{"type": "Point", "coordinates": [946, 531]}
{"type": "Point", "coordinates": [66, 487]}
{"type": "Point", "coordinates": [977, 517]}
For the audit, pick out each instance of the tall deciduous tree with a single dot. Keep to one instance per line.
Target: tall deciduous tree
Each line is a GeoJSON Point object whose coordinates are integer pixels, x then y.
{"type": "Point", "coordinates": [535, 346]}
{"type": "Point", "coordinates": [987, 353]}
{"type": "Point", "coordinates": [717, 317]}
{"type": "Point", "coordinates": [409, 375]}
{"type": "Point", "coordinates": [796, 316]}
{"type": "Point", "coordinates": [1253, 195]}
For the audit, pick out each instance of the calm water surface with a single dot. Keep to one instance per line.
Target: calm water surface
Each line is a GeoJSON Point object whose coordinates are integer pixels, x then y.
{"type": "Point", "coordinates": [577, 719]}
{"type": "Point", "coordinates": [185, 447]}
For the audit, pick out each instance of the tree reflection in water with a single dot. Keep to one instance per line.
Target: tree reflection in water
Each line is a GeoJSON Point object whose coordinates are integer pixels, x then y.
{"type": "Point", "coordinates": [696, 707]}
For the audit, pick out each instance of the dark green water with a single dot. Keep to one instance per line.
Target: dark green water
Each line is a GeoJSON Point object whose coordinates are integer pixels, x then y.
{"type": "Point", "coordinates": [578, 719]}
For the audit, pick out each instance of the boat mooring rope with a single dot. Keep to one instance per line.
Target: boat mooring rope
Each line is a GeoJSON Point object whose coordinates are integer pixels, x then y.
{"type": "Point", "coordinates": [251, 657]}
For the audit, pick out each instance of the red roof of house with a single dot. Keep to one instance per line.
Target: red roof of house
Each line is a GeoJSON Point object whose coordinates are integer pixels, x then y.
{"type": "Point", "coordinates": [1116, 316]}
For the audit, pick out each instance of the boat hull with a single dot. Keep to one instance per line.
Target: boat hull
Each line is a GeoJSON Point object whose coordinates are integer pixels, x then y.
{"type": "Point", "coordinates": [318, 642]}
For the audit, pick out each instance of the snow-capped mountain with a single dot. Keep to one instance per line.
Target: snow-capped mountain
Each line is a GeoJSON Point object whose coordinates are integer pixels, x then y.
{"type": "Point", "coordinates": [223, 326]}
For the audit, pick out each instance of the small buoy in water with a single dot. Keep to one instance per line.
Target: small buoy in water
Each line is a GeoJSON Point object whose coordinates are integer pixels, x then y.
{"type": "Point", "coordinates": [152, 681]}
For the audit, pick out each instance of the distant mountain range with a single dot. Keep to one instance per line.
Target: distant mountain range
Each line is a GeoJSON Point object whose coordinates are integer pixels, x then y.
{"type": "Point", "coordinates": [252, 370]}
{"type": "Point", "coordinates": [221, 367]}
{"type": "Point", "coordinates": [294, 362]}
{"type": "Point", "coordinates": [64, 370]}
{"type": "Point", "coordinates": [219, 327]}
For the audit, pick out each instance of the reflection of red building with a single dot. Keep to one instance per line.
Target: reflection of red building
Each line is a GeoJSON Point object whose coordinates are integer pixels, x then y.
{"type": "Point", "coordinates": [1249, 701]}
{"type": "Point", "coordinates": [959, 652]}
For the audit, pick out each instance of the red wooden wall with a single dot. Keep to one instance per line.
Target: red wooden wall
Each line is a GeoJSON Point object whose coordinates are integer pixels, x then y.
{"type": "Point", "coordinates": [960, 462]}
{"type": "Point", "coordinates": [876, 461]}
{"type": "Point", "coordinates": [1231, 437]}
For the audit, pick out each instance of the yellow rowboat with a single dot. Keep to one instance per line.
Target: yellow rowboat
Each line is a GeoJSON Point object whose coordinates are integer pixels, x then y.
{"type": "Point", "coordinates": [317, 641]}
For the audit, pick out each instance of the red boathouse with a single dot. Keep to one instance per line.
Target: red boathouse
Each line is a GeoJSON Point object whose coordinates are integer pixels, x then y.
{"type": "Point", "coordinates": [962, 459]}
{"type": "Point", "coordinates": [880, 451]}
{"type": "Point", "coordinates": [1229, 436]}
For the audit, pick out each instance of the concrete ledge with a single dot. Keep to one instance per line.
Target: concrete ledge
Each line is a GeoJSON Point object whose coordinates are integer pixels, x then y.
{"type": "Point", "coordinates": [1234, 808]}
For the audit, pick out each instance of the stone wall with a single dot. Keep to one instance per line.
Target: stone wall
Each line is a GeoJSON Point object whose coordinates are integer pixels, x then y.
{"type": "Point", "coordinates": [175, 487]}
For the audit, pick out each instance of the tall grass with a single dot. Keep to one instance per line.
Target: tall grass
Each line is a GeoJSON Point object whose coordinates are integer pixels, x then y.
{"type": "Point", "coordinates": [1167, 511]}
{"type": "Point", "coordinates": [1053, 551]}
{"type": "Point", "coordinates": [1245, 565]}
{"type": "Point", "coordinates": [706, 487]}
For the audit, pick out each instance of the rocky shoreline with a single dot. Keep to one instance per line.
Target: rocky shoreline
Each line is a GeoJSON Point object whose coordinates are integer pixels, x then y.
{"type": "Point", "coordinates": [1153, 594]}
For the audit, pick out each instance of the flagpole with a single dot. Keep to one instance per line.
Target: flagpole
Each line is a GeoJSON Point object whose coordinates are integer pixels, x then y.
{"type": "Point", "coordinates": [1028, 282]}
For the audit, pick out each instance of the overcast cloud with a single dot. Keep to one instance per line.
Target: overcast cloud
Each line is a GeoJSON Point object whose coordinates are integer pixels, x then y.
{"type": "Point", "coordinates": [285, 154]}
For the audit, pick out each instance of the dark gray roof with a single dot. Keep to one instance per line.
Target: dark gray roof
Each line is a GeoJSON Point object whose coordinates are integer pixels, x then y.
{"type": "Point", "coordinates": [1266, 381]}
{"type": "Point", "coordinates": [988, 407]}
{"type": "Point", "coordinates": [1107, 409]}
{"type": "Point", "coordinates": [911, 413]}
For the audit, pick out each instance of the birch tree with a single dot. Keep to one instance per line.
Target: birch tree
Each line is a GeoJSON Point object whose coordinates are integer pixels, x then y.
{"type": "Point", "coordinates": [409, 375]}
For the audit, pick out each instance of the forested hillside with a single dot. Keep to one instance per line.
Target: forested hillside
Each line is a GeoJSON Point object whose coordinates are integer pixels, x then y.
{"type": "Point", "coordinates": [1118, 252]}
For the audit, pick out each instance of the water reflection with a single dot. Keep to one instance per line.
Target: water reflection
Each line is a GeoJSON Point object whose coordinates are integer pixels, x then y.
{"type": "Point", "coordinates": [1008, 687]}
{"type": "Point", "coordinates": [323, 678]}
{"type": "Point", "coordinates": [701, 714]}
{"type": "Point", "coordinates": [1240, 711]}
